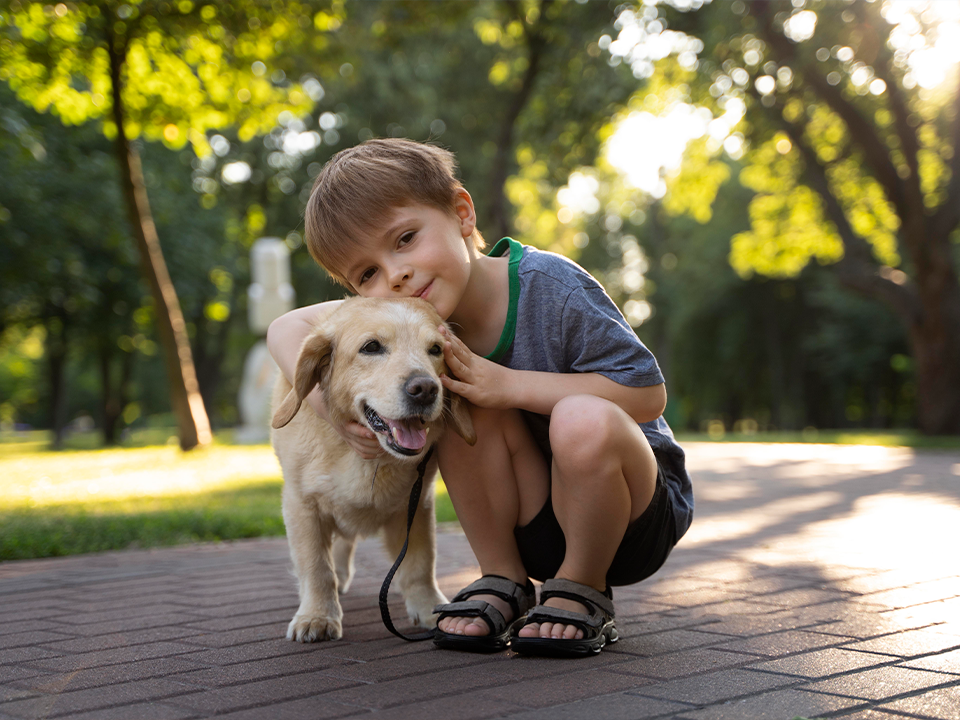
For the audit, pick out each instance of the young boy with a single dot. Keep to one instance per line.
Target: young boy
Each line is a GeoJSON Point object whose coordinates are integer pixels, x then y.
{"type": "Point", "coordinates": [575, 479]}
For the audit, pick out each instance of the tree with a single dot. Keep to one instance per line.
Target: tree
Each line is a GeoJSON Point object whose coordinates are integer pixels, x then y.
{"type": "Point", "coordinates": [170, 72]}
{"type": "Point", "coordinates": [854, 161]}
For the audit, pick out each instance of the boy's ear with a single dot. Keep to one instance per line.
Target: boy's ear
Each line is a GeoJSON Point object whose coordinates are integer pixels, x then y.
{"type": "Point", "coordinates": [466, 212]}
{"type": "Point", "coordinates": [316, 354]}
{"type": "Point", "coordinates": [460, 418]}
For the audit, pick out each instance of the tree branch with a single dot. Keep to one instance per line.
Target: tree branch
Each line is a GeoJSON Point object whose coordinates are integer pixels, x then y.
{"type": "Point", "coordinates": [861, 131]}
{"type": "Point", "coordinates": [948, 215]}
{"type": "Point", "coordinates": [857, 269]}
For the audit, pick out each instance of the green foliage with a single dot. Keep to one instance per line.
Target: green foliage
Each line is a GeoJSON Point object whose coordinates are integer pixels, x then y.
{"type": "Point", "coordinates": [191, 67]}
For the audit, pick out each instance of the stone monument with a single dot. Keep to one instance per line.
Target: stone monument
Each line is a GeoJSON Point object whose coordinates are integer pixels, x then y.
{"type": "Point", "coordinates": [269, 296]}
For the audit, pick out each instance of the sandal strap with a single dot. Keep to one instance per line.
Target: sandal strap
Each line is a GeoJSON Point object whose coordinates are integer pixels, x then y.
{"type": "Point", "coordinates": [592, 598]}
{"type": "Point", "coordinates": [592, 622]}
{"type": "Point", "coordinates": [520, 598]}
{"type": "Point", "coordinates": [473, 608]}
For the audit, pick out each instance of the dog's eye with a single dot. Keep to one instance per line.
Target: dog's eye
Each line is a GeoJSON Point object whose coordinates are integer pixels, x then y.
{"type": "Point", "coordinates": [436, 350]}
{"type": "Point", "coordinates": [373, 347]}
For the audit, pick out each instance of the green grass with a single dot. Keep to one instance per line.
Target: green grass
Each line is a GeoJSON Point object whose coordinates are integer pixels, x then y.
{"type": "Point", "coordinates": [91, 500]}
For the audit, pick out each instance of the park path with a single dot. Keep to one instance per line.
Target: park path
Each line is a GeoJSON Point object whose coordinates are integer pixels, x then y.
{"type": "Point", "coordinates": [816, 581]}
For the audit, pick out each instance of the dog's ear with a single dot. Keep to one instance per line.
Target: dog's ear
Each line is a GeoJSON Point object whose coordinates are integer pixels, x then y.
{"type": "Point", "coordinates": [460, 419]}
{"type": "Point", "coordinates": [312, 364]}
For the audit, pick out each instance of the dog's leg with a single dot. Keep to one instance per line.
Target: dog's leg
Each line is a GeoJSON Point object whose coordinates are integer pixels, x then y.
{"type": "Point", "coordinates": [343, 551]}
{"type": "Point", "coordinates": [319, 616]}
{"type": "Point", "coordinates": [416, 578]}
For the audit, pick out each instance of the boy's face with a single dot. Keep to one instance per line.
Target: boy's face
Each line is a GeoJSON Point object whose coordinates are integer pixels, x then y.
{"type": "Point", "coordinates": [417, 251]}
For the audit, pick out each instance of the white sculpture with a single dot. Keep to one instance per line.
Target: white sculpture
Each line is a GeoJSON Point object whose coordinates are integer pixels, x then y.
{"type": "Point", "coordinates": [269, 296]}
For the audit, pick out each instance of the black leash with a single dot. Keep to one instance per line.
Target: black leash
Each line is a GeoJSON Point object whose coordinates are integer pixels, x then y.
{"type": "Point", "coordinates": [385, 588]}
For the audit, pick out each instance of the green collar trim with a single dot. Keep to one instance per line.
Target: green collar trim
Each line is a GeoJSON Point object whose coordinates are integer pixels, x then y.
{"type": "Point", "coordinates": [510, 326]}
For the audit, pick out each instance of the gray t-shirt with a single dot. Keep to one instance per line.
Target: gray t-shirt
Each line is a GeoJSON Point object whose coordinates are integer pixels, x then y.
{"type": "Point", "coordinates": [562, 320]}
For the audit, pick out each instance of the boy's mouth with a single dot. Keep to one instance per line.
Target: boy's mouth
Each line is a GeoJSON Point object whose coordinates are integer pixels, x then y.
{"type": "Point", "coordinates": [424, 290]}
{"type": "Point", "coordinates": [406, 436]}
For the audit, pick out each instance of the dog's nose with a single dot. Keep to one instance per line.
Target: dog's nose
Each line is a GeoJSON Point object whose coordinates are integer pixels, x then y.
{"type": "Point", "coordinates": [421, 390]}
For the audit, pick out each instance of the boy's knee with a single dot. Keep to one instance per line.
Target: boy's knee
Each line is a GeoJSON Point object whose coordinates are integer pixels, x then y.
{"type": "Point", "coordinates": [585, 426]}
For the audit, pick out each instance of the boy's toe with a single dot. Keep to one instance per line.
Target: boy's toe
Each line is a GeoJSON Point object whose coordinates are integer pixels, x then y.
{"type": "Point", "coordinates": [529, 630]}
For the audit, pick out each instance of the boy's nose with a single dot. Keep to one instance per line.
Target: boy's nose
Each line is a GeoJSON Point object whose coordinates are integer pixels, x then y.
{"type": "Point", "coordinates": [400, 277]}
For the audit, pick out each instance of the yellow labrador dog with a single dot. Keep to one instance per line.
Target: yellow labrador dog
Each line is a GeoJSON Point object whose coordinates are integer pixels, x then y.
{"type": "Point", "coordinates": [377, 362]}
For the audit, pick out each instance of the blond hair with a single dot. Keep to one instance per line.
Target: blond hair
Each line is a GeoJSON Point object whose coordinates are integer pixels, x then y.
{"type": "Point", "coordinates": [360, 186]}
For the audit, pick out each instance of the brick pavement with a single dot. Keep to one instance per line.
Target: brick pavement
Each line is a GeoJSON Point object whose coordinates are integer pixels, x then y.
{"type": "Point", "coordinates": [817, 581]}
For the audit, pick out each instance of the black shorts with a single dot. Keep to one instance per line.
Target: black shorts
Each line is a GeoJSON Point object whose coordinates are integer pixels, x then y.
{"type": "Point", "coordinates": [643, 550]}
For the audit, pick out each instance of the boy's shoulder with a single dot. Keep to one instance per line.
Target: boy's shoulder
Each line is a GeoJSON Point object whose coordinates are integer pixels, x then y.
{"type": "Point", "coordinates": [548, 266]}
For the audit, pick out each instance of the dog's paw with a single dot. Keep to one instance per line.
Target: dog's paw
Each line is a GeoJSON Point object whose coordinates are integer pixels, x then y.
{"type": "Point", "coordinates": [420, 610]}
{"type": "Point", "coordinates": [313, 629]}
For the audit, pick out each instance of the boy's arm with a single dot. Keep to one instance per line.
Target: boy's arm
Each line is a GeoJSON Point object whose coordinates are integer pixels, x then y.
{"type": "Point", "coordinates": [487, 384]}
{"type": "Point", "coordinates": [284, 338]}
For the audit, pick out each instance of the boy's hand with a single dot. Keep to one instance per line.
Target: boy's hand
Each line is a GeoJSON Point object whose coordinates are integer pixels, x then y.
{"type": "Point", "coordinates": [478, 380]}
{"type": "Point", "coordinates": [361, 439]}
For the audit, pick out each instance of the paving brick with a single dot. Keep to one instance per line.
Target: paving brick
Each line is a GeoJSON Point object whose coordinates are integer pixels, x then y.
{"type": "Point", "coordinates": [615, 706]}
{"type": "Point", "coordinates": [392, 668]}
{"type": "Point", "coordinates": [696, 661]}
{"type": "Point", "coordinates": [567, 687]}
{"type": "Point", "coordinates": [662, 643]}
{"type": "Point", "coordinates": [119, 640]}
{"type": "Point", "coordinates": [445, 708]}
{"type": "Point", "coordinates": [94, 699]}
{"type": "Point", "coordinates": [401, 692]}
{"type": "Point", "coordinates": [113, 674]}
{"type": "Point", "coordinates": [309, 707]}
{"type": "Point", "coordinates": [719, 686]}
{"type": "Point", "coordinates": [29, 638]}
{"type": "Point", "coordinates": [947, 662]}
{"type": "Point", "coordinates": [775, 705]}
{"type": "Point", "coordinates": [257, 694]}
{"type": "Point", "coordinates": [909, 644]}
{"type": "Point", "coordinates": [782, 643]}
{"type": "Point", "coordinates": [134, 653]}
{"type": "Point", "coordinates": [15, 656]}
{"type": "Point", "coordinates": [822, 663]}
{"type": "Point", "coordinates": [140, 711]}
{"type": "Point", "coordinates": [130, 624]}
{"type": "Point", "coordinates": [880, 683]}
{"type": "Point", "coordinates": [943, 704]}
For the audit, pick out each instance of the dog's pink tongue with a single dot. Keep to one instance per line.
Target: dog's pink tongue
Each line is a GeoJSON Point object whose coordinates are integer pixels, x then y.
{"type": "Point", "coordinates": [407, 436]}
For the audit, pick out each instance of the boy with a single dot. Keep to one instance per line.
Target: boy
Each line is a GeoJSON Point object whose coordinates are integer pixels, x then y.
{"type": "Point", "coordinates": [575, 479]}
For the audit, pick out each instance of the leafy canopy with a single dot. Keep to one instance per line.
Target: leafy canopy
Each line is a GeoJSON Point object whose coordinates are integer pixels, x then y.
{"type": "Point", "coordinates": [190, 67]}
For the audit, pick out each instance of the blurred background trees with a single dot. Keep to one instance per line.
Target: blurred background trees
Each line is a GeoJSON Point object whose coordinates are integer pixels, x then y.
{"type": "Point", "coordinates": [769, 190]}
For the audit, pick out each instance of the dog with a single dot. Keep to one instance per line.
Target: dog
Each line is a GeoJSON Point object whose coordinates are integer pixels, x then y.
{"type": "Point", "coordinates": [377, 362]}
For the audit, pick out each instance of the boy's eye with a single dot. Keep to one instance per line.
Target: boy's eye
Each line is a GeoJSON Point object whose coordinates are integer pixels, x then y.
{"type": "Point", "coordinates": [366, 275]}
{"type": "Point", "coordinates": [405, 238]}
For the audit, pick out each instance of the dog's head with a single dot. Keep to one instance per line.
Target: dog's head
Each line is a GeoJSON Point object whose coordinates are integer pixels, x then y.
{"type": "Point", "coordinates": [378, 362]}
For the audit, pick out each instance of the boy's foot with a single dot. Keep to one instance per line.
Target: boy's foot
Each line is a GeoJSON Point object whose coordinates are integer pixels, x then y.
{"type": "Point", "coordinates": [474, 626]}
{"type": "Point", "coordinates": [482, 616]}
{"type": "Point", "coordinates": [564, 605]}
{"type": "Point", "coordinates": [556, 630]}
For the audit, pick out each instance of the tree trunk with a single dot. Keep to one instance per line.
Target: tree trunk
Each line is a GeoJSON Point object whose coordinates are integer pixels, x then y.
{"type": "Point", "coordinates": [192, 420]}
{"type": "Point", "coordinates": [536, 44]}
{"type": "Point", "coordinates": [935, 344]}
{"type": "Point", "coordinates": [113, 396]}
{"type": "Point", "coordinates": [56, 352]}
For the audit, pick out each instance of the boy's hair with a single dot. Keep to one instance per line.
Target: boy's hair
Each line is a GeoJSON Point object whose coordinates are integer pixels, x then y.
{"type": "Point", "coordinates": [360, 186]}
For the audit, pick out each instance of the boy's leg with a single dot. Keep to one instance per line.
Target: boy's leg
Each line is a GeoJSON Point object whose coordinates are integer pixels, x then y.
{"type": "Point", "coordinates": [603, 476]}
{"type": "Point", "coordinates": [496, 485]}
